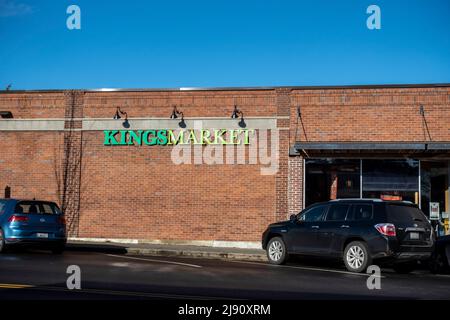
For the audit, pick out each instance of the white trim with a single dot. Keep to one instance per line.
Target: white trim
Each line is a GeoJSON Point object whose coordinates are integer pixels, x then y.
{"type": "Point", "coordinates": [100, 124]}
{"type": "Point", "coordinates": [145, 118]}
{"type": "Point", "coordinates": [95, 125]}
{"type": "Point", "coordinates": [31, 125]}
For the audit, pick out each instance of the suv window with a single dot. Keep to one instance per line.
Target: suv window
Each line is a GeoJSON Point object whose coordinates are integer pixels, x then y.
{"type": "Point", "coordinates": [36, 207]}
{"type": "Point", "coordinates": [337, 212]}
{"type": "Point", "coordinates": [313, 214]}
{"type": "Point", "coordinates": [362, 212]}
{"type": "Point", "coordinates": [404, 214]}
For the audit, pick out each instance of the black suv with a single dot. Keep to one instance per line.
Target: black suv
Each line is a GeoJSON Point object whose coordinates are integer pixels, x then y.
{"type": "Point", "coordinates": [356, 230]}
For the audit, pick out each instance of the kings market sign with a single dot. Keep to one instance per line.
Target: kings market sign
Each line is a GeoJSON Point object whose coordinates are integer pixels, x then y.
{"type": "Point", "coordinates": [174, 137]}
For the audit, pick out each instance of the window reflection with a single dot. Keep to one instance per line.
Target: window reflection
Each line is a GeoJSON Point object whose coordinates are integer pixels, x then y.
{"type": "Point", "coordinates": [391, 179]}
{"type": "Point", "coordinates": [327, 179]}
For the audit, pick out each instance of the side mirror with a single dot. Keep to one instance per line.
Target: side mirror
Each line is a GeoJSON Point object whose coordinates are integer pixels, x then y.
{"type": "Point", "coordinates": [293, 218]}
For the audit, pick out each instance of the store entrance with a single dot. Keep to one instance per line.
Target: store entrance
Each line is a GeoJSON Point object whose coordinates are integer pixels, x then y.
{"type": "Point", "coordinates": [434, 189]}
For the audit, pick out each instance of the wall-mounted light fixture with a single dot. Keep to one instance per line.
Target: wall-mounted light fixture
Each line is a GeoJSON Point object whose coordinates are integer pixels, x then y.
{"type": "Point", "coordinates": [6, 114]}
{"type": "Point", "coordinates": [175, 114]}
{"type": "Point", "coordinates": [118, 114]}
{"type": "Point", "coordinates": [7, 192]}
{"type": "Point", "coordinates": [236, 114]}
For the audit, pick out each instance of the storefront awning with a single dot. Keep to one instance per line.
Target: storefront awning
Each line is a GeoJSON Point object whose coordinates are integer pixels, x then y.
{"type": "Point", "coordinates": [360, 149]}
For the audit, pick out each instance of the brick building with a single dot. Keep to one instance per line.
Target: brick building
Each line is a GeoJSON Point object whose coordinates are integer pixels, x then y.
{"type": "Point", "coordinates": [390, 142]}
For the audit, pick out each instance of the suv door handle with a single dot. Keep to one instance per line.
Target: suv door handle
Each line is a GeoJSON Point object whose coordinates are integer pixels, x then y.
{"type": "Point", "coordinates": [345, 226]}
{"type": "Point", "coordinates": [314, 227]}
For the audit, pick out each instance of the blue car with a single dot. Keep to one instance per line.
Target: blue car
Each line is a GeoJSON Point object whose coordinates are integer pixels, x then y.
{"type": "Point", "coordinates": [32, 223]}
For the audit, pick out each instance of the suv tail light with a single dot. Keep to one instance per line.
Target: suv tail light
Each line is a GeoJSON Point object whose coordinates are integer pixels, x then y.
{"type": "Point", "coordinates": [62, 220]}
{"type": "Point", "coordinates": [15, 218]}
{"type": "Point", "coordinates": [387, 229]}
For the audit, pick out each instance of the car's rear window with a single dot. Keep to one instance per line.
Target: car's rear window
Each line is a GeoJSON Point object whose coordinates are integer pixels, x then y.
{"type": "Point", "coordinates": [404, 214]}
{"type": "Point", "coordinates": [37, 207]}
{"type": "Point", "coordinates": [361, 212]}
{"type": "Point", "coordinates": [337, 212]}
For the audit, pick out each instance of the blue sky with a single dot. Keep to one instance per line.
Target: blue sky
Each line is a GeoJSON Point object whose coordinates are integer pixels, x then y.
{"type": "Point", "coordinates": [218, 43]}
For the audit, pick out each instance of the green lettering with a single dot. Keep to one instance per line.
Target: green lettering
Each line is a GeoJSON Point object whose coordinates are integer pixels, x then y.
{"type": "Point", "coordinates": [162, 137]}
{"type": "Point", "coordinates": [218, 135]}
{"type": "Point", "coordinates": [234, 139]}
{"type": "Point", "coordinates": [246, 136]}
{"type": "Point", "coordinates": [152, 141]}
{"type": "Point", "coordinates": [192, 137]}
{"type": "Point", "coordinates": [109, 137]}
{"type": "Point", "coordinates": [204, 136]}
{"type": "Point", "coordinates": [179, 139]}
{"type": "Point", "coordinates": [123, 137]}
{"type": "Point", "coordinates": [135, 137]}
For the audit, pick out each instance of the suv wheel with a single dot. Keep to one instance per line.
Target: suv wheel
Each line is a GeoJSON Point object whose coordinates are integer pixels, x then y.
{"type": "Point", "coordinates": [357, 257]}
{"type": "Point", "coordinates": [404, 267]}
{"type": "Point", "coordinates": [276, 251]}
{"type": "Point", "coordinates": [2, 242]}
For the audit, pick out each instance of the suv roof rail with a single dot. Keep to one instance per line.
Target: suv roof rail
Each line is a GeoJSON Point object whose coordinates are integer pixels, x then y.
{"type": "Point", "coordinates": [371, 199]}
{"type": "Point", "coordinates": [359, 199]}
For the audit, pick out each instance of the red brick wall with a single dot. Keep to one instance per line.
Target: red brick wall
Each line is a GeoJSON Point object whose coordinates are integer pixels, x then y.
{"type": "Point", "coordinates": [136, 192]}
{"type": "Point", "coordinates": [29, 160]}
{"type": "Point", "coordinates": [28, 163]}
{"type": "Point", "coordinates": [371, 114]}
{"type": "Point", "coordinates": [34, 105]}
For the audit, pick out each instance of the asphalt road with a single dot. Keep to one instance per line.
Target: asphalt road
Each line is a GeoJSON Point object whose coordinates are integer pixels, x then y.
{"type": "Point", "coordinates": [41, 275]}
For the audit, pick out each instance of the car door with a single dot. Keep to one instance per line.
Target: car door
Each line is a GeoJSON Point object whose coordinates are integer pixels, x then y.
{"type": "Point", "coordinates": [302, 236]}
{"type": "Point", "coordinates": [333, 230]}
{"type": "Point", "coordinates": [359, 219]}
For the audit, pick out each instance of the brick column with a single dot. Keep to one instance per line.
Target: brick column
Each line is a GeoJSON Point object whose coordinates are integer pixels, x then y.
{"type": "Point", "coordinates": [295, 185]}
{"type": "Point", "coordinates": [69, 171]}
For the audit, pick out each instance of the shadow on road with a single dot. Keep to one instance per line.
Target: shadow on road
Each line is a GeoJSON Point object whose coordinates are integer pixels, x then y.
{"type": "Point", "coordinates": [79, 247]}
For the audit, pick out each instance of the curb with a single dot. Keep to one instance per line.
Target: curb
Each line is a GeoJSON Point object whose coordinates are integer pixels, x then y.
{"type": "Point", "coordinates": [197, 254]}
{"type": "Point", "coordinates": [164, 252]}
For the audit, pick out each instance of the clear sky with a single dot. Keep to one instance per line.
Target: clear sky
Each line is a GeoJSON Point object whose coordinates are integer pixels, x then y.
{"type": "Point", "coordinates": [220, 43]}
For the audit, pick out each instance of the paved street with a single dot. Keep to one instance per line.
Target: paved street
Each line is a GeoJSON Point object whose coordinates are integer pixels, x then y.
{"type": "Point", "coordinates": [40, 275]}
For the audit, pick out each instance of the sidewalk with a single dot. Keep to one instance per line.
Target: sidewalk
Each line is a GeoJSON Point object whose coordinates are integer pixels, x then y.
{"type": "Point", "coordinates": [169, 250]}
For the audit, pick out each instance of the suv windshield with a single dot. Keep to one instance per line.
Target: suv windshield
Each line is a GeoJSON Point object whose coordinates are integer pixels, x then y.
{"type": "Point", "coordinates": [404, 214]}
{"type": "Point", "coordinates": [37, 207]}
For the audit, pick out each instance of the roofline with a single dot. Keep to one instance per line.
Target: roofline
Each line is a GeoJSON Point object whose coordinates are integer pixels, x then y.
{"type": "Point", "coordinates": [262, 88]}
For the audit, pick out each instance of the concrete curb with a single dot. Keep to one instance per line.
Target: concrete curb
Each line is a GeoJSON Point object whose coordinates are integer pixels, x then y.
{"type": "Point", "coordinates": [197, 254]}
{"type": "Point", "coordinates": [168, 252]}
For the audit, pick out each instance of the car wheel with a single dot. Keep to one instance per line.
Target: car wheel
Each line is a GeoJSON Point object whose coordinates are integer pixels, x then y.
{"type": "Point", "coordinates": [276, 251]}
{"type": "Point", "coordinates": [405, 267]}
{"type": "Point", "coordinates": [357, 257]}
{"type": "Point", "coordinates": [2, 242]}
